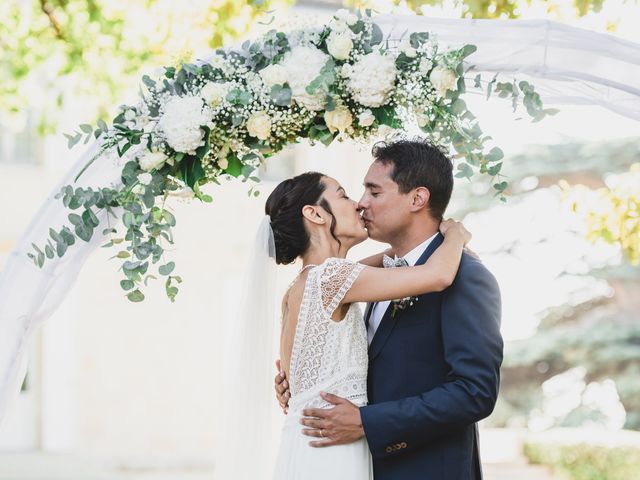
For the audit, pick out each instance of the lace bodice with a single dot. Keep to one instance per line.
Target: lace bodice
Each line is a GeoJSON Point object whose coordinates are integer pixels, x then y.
{"type": "Point", "coordinates": [328, 355]}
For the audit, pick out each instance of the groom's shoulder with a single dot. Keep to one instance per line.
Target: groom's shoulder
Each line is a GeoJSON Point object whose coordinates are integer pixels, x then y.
{"type": "Point", "coordinates": [472, 269]}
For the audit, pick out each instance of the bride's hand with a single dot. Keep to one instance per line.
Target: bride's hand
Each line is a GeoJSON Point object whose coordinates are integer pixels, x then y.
{"type": "Point", "coordinates": [451, 227]}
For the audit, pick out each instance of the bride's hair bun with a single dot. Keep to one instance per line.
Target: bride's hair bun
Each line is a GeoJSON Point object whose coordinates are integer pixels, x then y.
{"type": "Point", "coordinates": [284, 206]}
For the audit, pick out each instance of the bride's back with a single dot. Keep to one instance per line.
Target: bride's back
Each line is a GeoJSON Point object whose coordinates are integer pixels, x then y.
{"type": "Point", "coordinates": [324, 344]}
{"type": "Point", "coordinates": [290, 312]}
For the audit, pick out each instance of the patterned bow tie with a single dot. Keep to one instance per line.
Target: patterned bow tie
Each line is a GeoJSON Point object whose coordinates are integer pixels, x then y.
{"type": "Point", "coordinates": [389, 262]}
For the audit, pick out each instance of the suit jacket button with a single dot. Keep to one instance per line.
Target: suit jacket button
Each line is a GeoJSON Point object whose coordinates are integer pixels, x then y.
{"type": "Point", "coordinates": [403, 445]}
{"type": "Point", "coordinates": [389, 449]}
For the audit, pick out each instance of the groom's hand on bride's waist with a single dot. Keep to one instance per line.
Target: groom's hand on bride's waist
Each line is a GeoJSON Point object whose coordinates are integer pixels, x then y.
{"type": "Point", "coordinates": [333, 426]}
{"type": "Point", "coordinates": [282, 388]}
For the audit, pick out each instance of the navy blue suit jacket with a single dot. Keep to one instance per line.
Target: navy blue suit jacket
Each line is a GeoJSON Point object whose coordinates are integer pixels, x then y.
{"type": "Point", "coordinates": [434, 371]}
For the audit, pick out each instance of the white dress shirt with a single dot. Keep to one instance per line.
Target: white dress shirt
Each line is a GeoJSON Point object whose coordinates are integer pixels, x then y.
{"type": "Point", "coordinates": [378, 310]}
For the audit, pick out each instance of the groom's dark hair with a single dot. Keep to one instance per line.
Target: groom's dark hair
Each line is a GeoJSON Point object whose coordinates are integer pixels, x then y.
{"type": "Point", "coordinates": [419, 163]}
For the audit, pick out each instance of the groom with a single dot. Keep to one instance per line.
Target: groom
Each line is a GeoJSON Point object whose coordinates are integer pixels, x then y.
{"type": "Point", "coordinates": [434, 366]}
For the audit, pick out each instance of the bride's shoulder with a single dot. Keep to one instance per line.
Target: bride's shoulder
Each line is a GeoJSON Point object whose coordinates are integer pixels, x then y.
{"type": "Point", "coordinates": [334, 267]}
{"type": "Point", "coordinates": [336, 262]}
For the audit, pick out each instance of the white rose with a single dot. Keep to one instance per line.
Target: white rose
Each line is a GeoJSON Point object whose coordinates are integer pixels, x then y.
{"type": "Point", "coordinates": [338, 25]}
{"type": "Point", "coordinates": [443, 79]}
{"type": "Point", "coordinates": [145, 178]}
{"type": "Point", "coordinates": [346, 16]}
{"type": "Point", "coordinates": [213, 93]}
{"type": "Point", "coordinates": [151, 160]}
{"type": "Point", "coordinates": [130, 115]}
{"type": "Point", "coordinates": [366, 118]}
{"type": "Point", "coordinates": [339, 118]}
{"type": "Point", "coordinates": [274, 75]}
{"type": "Point", "coordinates": [217, 61]}
{"type": "Point", "coordinates": [259, 125]}
{"type": "Point", "coordinates": [425, 65]}
{"type": "Point", "coordinates": [339, 45]}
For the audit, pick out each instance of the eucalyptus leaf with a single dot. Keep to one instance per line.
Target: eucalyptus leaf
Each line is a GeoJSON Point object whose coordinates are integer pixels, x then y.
{"type": "Point", "coordinates": [136, 296]}
{"type": "Point", "coordinates": [167, 269]}
{"type": "Point", "coordinates": [127, 284]}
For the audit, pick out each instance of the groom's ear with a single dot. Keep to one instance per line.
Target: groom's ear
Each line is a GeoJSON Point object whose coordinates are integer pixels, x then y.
{"type": "Point", "coordinates": [420, 199]}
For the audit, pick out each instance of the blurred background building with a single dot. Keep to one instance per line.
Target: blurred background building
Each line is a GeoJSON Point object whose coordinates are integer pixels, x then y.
{"type": "Point", "coordinates": [122, 390]}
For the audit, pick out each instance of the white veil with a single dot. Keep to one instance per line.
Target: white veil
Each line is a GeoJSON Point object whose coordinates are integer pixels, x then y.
{"type": "Point", "coordinates": [567, 65]}
{"type": "Point", "coordinates": [247, 422]}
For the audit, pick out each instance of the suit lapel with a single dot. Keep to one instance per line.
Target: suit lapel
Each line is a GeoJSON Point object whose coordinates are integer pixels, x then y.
{"type": "Point", "coordinates": [388, 322]}
{"type": "Point", "coordinates": [367, 314]}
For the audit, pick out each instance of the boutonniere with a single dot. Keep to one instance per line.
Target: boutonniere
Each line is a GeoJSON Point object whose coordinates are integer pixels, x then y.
{"type": "Point", "coordinates": [402, 304]}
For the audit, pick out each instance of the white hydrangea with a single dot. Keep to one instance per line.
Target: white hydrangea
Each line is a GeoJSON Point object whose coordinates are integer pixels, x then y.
{"type": "Point", "coordinates": [181, 122]}
{"type": "Point", "coordinates": [346, 70]}
{"type": "Point", "coordinates": [376, 66]}
{"type": "Point", "coordinates": [303, 65]}
{"type": "Point", "coordinates": [339, 45]}
{"type": "Point", "coordinates": [274, 75]}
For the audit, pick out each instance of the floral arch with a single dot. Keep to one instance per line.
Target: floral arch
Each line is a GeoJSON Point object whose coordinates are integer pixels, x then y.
{"type": "Point", "coordinates": [200, 122]}
{"type": "Point", "coordinates": [225, 116]}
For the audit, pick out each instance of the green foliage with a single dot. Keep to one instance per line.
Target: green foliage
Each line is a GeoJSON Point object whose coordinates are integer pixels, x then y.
{"type": "Point", "coordinates": [90, 51]}
{"type": "Point", "coordinates": [611, 214]}
{"type": "Point", "coordinates": [587, 462]}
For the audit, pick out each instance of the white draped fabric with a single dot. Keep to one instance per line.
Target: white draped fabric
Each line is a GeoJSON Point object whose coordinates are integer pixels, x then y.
{"type": "Point", "coordinates": [567, 66]}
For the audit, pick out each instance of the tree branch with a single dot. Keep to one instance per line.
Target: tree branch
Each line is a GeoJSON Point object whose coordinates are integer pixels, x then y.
{"type": "Point", "coordinates": [48, 10]}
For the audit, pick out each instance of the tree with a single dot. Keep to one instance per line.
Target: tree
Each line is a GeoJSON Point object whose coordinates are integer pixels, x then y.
{"type": "Point", "coordinates": [612, 213]}
{"type": "Point", "coordinates": [488, 8]}
{"type": "Point", "coordinates": [92, 51]}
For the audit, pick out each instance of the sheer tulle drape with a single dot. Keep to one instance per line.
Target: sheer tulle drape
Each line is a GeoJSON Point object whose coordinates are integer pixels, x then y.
{"type": "Point", "coordinates": [28, 294]}
{"type": "Point", "coordinates": [568, 66]}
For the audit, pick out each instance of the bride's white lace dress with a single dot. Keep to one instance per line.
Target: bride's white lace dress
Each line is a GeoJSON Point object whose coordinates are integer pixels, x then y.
{"type": "Point", "coordinates": [327, 356]}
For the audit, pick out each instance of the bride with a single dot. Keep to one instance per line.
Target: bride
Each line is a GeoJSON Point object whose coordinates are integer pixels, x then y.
{"type": "Point", "coordinates": [323, 344]}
